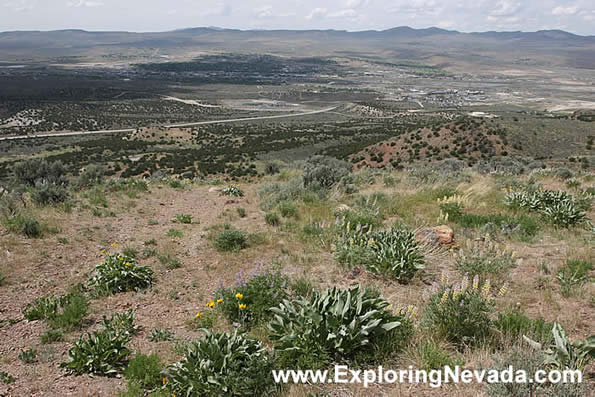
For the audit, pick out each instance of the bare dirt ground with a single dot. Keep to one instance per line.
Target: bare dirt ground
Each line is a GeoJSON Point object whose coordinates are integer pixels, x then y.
{"type": "Point", "coordinates": [39, 267]}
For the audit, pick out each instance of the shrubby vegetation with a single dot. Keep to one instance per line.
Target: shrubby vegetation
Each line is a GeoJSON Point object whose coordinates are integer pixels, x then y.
{"type": "Point", "coordinates": [394, 253]}
{"type": "Point", "coordinates": [223, 364]}
{"type": "Point", "coordinates": [335, 324]}
{"type": "Point", "coordinates": [120, 273]}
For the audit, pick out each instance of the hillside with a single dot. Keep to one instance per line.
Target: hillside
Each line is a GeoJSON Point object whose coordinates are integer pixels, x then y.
{"type": "Point", "coordinates": [205, 246]}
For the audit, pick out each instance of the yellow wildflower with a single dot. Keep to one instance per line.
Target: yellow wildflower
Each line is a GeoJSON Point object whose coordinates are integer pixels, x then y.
{"type": "Point", "coordinates": [164, 380]}
{"type": "Point", "coordinates": [503, 290]}
{"type": "Point", "coordinates": [242, 306]}
{"type": "Point", "coordinates": [103, 251]}
{"type": "Point", "coordinates": [239, 296]}
{"type": "Point", "coordinates": [198, 315]}
{"type": "Point", "coordinates": [444, 296]}
{"type": "Point", "coordinates": [220, 300]}
{"type": "Point", "coordinates": [485, 290]}
{"type": "Point", "coordinates": [128, 264]}
{"type": "Point", "coordinates": [211, 304]}
{"type": "Point", "coordinates": [114, 245]}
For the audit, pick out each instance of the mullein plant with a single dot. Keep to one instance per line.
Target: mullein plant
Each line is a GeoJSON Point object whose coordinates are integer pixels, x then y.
{"type": "Point", "coordinates": [461, 310]}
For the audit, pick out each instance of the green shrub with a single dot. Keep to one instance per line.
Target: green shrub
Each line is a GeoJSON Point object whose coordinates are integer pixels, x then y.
{"type": "Point", "coordinates": [436, 358]}
{"type": "Point", "coordinates": [23, 224]}
{"type": "Point", "coordinates": [272, 219]}
{"type": "Point", "coordinates": [241, 212]}
{"type": "Point", "coordinates": [335, 324]}
{"type": "Point", "coordinates": [66, 312]}
{"type": "Point", "coordinates": [28, 356]}
{"type": "Point", "coordinates": [232, 190]}
{"type": "Point", "coordinates": [259, 291]}
{"type": "Point", "coordinates": [145, 370]}
{"type": "Point", "coordinates": [121, 323]}
{"type": "Point", "coordinates": [558, 207]}
{"type": "Point", "coordinates": [74, 308]}
{"type": "Point", "coordinates": [461, 312]}
{"type": "Point", "coordinates": [323, 172]}
{"type": "Point", "coordinates": [514, 325]}
{"type": "Point", "coordinates": [174, 233]}
{"type": "Point", "coordinates": [119, 273]}
{"type": "Point", "coordinates": [170, 262]}
{"type": "Point", "coordinates": [223, 364]}
{"type": "Point", "coordinates": [485, 258]}
{"type": "Point", "coordinates": [34, 170]}
{"type": "Point", "coordinates": [394, 252]}
{"type": "Point", "coordinates": [288, 209]}
{"type": "Point", "coordinates": [573, 275]}
{"type": "Point", "coordinates": [102, 353]}
{"type": "Point", "coordinates": [271, 194]}
{"type": "Point", "coordinates": [92, 175]}
{"type": "Point", "coordinates": [51, 336]}
{"type": "Point", "coordinates": [6, 378]}
{"type": "Point", "coordinates": [45, 193]}
{"type": "Point", "coordinates": [231, 240]}
{"type": "Point", "coordinates": [160, 335]}
{"type": "Point", "coordinates": [183, 218]}
{"type": "Point", "coordinates": [302, 288]}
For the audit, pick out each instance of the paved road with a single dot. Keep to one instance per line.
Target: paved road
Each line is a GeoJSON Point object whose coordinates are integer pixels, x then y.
{"type": "Point", "coordinates": [7, 138]}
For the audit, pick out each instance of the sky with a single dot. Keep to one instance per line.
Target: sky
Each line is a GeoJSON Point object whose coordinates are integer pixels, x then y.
{"type": "Point", "coordinates": [576, 16]}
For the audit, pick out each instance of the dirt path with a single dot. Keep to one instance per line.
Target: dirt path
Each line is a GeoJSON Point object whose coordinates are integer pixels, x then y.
{"type": "Point", "coordinates": [126, 130]}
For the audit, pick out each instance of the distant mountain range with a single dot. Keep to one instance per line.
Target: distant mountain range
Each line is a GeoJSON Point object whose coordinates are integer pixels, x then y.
{"type": "Point", "coordinates": [434, 45]}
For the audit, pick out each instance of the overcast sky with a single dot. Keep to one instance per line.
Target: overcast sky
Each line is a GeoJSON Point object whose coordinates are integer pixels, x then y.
{"type": "Point", "coordinates": [576, 16]}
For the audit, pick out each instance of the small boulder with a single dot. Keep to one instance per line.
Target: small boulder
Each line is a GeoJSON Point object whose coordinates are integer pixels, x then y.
{"type": "Point", "coordinates": [445, 234]}
{"type": "Point", "coordinates": [437, 235]}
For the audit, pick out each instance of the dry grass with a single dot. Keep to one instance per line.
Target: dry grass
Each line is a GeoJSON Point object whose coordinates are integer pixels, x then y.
{"type": "Point", "coordinates": [34, 268]}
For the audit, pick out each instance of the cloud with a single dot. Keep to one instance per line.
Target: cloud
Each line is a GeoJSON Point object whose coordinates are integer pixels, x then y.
{"type": "Point", "coordinates": [317, 13]}
{"type": "Point", "coordinates": [357, 3]}
{"type": "Point", "coordinates": [416, 7]}
{"type": "Point", "coordinates": [84, 3]}
{"type": "Point", "coordinates": [218, 10]}
{"type": "Point", "coordinates": [347, 13]}
{"type": "Point", "coordinates": [19, 5]}
{"type": "Point", "coordinates": [506, 8]}
{"type": "Point", "coordinates": [571, 10]}
{"type": "Point", "coordinates": [267, 12]}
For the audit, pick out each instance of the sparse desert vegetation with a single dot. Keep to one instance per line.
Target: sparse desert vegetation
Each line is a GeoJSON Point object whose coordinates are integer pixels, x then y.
{"type": "Point", "coordinates": [513, 282]}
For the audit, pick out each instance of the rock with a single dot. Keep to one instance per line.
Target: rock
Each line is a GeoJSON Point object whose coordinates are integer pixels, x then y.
{"type": "Point", "coordinates": [342, 208]}
{"type": "Point", "coordinates": [436, 235]}
{"type": "Point", "coordinates": [355, 272]}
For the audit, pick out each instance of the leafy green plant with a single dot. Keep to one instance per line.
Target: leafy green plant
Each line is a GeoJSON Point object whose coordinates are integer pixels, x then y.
{"type": "Point", "coordinates": [332, 324]}
{"type": "Point", "coordinates": [119, 273]}
{"type": "Point", "coordinates": [461, 311]}
{"type": "Point", "coordinates": [28, 356]}
{"type": "Point", "coordinates": [288, 209]}
{"type": "Point", "coordinates": [435, 358]}
{"type": "Point", "coordinates": [241, 212]}
{"type": "Point", "coordinates": [272, 219]}
{"type": "Point", "coordinates": [485, 258]}
{"type": "Point", "coordinates": [183, 218]}
{"type": "Point", "coordinates": [573, 275]}
{"type": "Point", "coordinates": [145, 370]}
{"type": "Point", "coordinates": [393, 252]}
{"type": "Point", "coordinates": [564, 354]}
{"type": "Point", "coordinates": [170, 262]}
{"type": "Point", "coordinates": [231, 240]}
{"type": "Point", "coordinates": [121, 323]}
{"type": "Point", "coordinates": [102, 353]}
{"type": "Point", "coordinates": [232, 190]}
{"type": "Point", "coordinates": [51, 336]}
{"type": "Point", "coordinates": [514, 325]}
{"type": "Point", "coordinates": [23, 224]}
{"type": "Point", "coordinates": [160, 335]}
{"type": "Point", "coordinates": [174, 233]}
{"type": "Point", "coordinates": [258, 291]}
{"type": "Point", "coordinates": [66, 312]}
{"type": "Point", "coordinates": [6, 378]}
{"type": "Point", "coordinates": [222, 364]}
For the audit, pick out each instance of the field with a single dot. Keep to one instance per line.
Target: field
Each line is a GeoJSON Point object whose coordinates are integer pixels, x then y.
{"type": "Point", "coordinates": [189, 269]}
{"type": "Point", "coordinates": [182, 212]}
